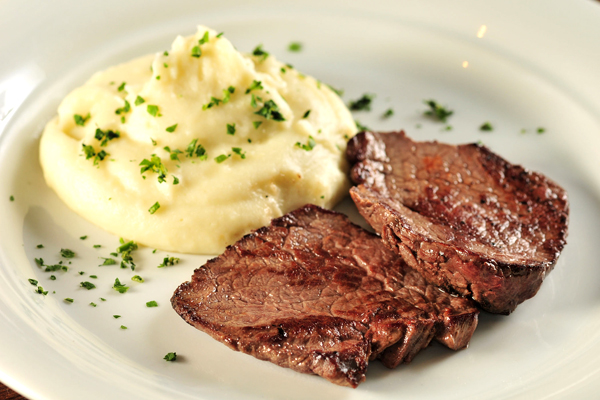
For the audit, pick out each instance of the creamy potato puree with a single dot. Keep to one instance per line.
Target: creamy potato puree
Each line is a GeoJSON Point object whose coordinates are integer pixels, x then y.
{"type": "Point", "coordinates": [273, 140]}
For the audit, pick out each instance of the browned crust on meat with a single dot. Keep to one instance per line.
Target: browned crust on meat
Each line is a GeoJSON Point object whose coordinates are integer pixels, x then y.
{"type": "Point", "coordinates": [465, 218]}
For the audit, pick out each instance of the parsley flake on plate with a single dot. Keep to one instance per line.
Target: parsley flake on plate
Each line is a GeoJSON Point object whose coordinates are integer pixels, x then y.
{"type": "Point", "coordinates": [87, 285]}
{"type": "Point", "coordinates": [486, 127]}
{"type": "Point", "coordinates": [137, 278]}
{"type": "Point", "coordinates": [66, 253]}
{"type": "Point", "coordinates": [170, 356]}
{"type": "Point", "coordinates": [363, 103]}
{"type": "Point", "coordinates": [119, 287]}
{"type": "Point", "coordinates": [154, 208]}
{"type": "Point", "coordinates": [295, 47]}
{"type": "Point", "coordinates": [171, 128]}
{"type": "Point", "coordinates": [81, 120]}
{"type": "Point", "coordinates": [437, 111]}
{"type": "Point", "coordinates": [151, 304]}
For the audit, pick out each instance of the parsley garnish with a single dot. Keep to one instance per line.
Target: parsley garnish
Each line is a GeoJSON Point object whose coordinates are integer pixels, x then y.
{"type": "Point", "coordinates": [388, 113]}
{"type": "Point", "coordinates": [259, 52]}
{"type": "Point", "coordinates": [33, 282]}
{"type": "Point", "coordinates": [55, 267]}
{"type": "Point", "coordinates": [154, 208]}
{"type": "Point", "coordinates": [79, 120]}
{"type": "Point", "coordinates": [123, 327]}
{"type": "Point", "coordinates": [541, 130]}
{"type": "Point", "coordinates": [306, 114]}
{"type": "Point", "coordinates": [213, 102]}
{"type": "Point", "coordinates": [238, 151]}
{"type": "Point", "coordinates": [309, 146]}
{"type": "Point", "coordinates": [105, 136]}
{"type": "Point", "coordinates": [219, 34]}
{"type": "Point", "coordinates": [52, 278]}
{"type": "Point", "coordinates": [256, 124]}
{"type": "Point", "coordinates": [196, 150]}
{"type": "Point", "coordinates": [123, 110]}
{"type": "Point", "coordinates": [125, 250]}
{"type": "Point", "coordinates": [171, 128]}
{"type": "Point", "coordinates": [121, 87]}
{"type": "Point", "coordinates": [97, 246]}
{"type": "Point", "coordinates": [231, 129]}
{"type": "Point", "coordinates": [119, 287]}
{"type": "Point", "coordinates": [152, 304]}
{"type": "Point", "coordinates": [41, 290]}
{"type": "Point", "coordinates": [155, 165]}
{"type": "Point", "coordinates": [81, 273]}
{"type": "Point", "coordinates": [40, 246]}
{"type": "Point", "coordinates": [169, 261]}
{"type": "Point", "coordinates": [12, 198]}
{"type": "Point", "coordinates": [153, 110]}
{"type": "Point", "coordinates": [339, 92]}
{"type": "Point", "coordinates": [82, 237]}
{"type": "Point", "coordinates": [361, 104]}
{"type": "Point", "coordinates": [295, 47]}
{"type": "Point", "coordinates": [93, 277]}
{"type": "Point", "coordinates": [137, 278]}
{"type": "Point", "coordinates": [486, 127]}
{"type": "Point", "coordinates": [196, 52]}
{"type": "Point", "coordinates": [256, 85]}
{"type": "Point", "coordinates": [203, 39]}
{"type": "Point", "coordinates": [93, 304]}
{"type": "Point", "coordinates": [108, 261]}
{"type": "Point", "coordinates": [139, 100]}
{"type": "Point", "coordinates": [116, 316]}
{"type": "Point", "coordinates": [87, 285]}
{"type": "Point", "coordinates": [360, 126]}
{"type": "Point", "coordinates": [175, 180]}
{"type": "Point", "coordinates": [221, 158]}
{"type": "Point", "coordinates": [66, 253]}
{"type": "Point", "coordinates": [227, 94]}
{"type": "Point", "coordinates": [90, 152]}
{"type": "Point", "coordinates": [173, 154]}
{"type": "Point", "coordinates": [270, 110]}
{"type": "Point", "coordinates": [68, 300]}
{"type": "Point", "coordinates": [436, 111]}
{"type": "Point", "coordinates": [171, 356]}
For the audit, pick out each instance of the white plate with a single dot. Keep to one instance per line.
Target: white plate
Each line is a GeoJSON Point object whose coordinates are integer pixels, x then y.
{"type": "Point", "coordinates": [536, 65]}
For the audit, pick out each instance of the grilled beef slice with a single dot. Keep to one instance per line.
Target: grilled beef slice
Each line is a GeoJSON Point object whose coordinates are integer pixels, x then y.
{"type": "Point", "coordinates": [466, 219]}
{"type": "Point", "coordinates": [318, 294]}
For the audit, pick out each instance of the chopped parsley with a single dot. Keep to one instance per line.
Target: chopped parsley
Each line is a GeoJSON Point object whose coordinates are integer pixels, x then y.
{"type": "Point", "coordinates": [153, 110]}
{"type": "Point", "coordinates": [295, 47]}
{"type": "Point", "coordinates": [306, 114]}
{"type": "Point", "coordinates": [361, 104]}
{"type": "Point", "coordinates": [119, 287]}
{"type": "Point", "coordinates": [79, 120]}
{"type": "Point", "coordinates": [121, 87]}
{"type": "Point", "coordinates": [108, 261]}
{"type": "Point", "coordinates": [175, 180]}
{"type": "Point", "coordinates": [339, 92]}
{"type": "Point", "coordinates": [173, 154]}
{"type": "Point", "coordinates": [170, 356]}
{"type": "Point", "coordinates": [219, 34]}
{"type": "Point", "coordinates": [171, 128]}
{"type": "Point", "coordinates": [541, 130]}
{"type": "Point", "coordinates": [203, 39]}
{"type": "Point", "coordinates": [81, 273]}
{"type": "Point", "coordinates": [82, 237]}
{"type": "Point", "coordinates": [151, 304]}
{"type": "Point", "coordinates": [125, 250]}
{"type": "Point", "coordinates": [40, 246]}
{"type": "Point", "coordinates": [93, 304]}
{"type": "Point", "coordinates": [93, 277]}
{"type": "Point", "coordinates": [68, 300]}
{"type": "Point", "coordinates": [360, 126]}
{"type": "Point", "coordinates": [123, 327]}
{"type": "Point", "coordinates": [137, 278]}
{"type": "Point", "coordinates": [388, 113]}
{"type": "Point", "coordinates": [12, 198]}
{"type": "Point", "coordinates": [486, 127]}
{"type": "Point", "coordinates": [212, 103]}
{"type": "Point", "coordinates": [239, 152]}
{"type": "Point", "coordinates": [309, 145]}
{"type": "Point", "coordinates": [196, 149]}
{"type": "Point", "coordinates": [437, 111]}
{"type": "Point", "coordinates": [116, 316]}
{"type": "Point", "coordinates": [196, 52]}
{"type": "Point", "coordinates": [123, 110]}
{"type": "Point", "coordinates": [66, 253]}
{"type": "Point", "coordinates": [55, 267]}
{"type": "Point", "coordinates": [139, 100]}
{"type": "Point", "coordinates": [259, 52]}
{"type": "Point", "coordinates": [231, 129]}
{"type": "Point", "coordinates": [219, 159]}
{"type": "Point", "coordinates": [52, 277]}
{"type": "Point", "coordinates": [169, 262]}
{"type": "Point", "coordinates": [105, 136]}
{"type": "Point", "coordinates": [256, 124]}
{"type": "Point", "coordinates": [256, 85]}
{"type": "Point", "coordinates": [41, 290]}
{"type": "Point", "coordinates": [87, 285]}
{"type": "Point", "coordinates": [154, 208]}
{"type": "Point", "coordinates": [33, 282]}
{"type": "Point", "coordinates": [270, 110]}
{"type": "Point", "coordinates": [155, 165]}
{"type": "Point", "coordinates": [90, 152]}
{"type": "Point", "coordinates": [227, 94]}
{"type": "Point", "coordinates": [97, 246]}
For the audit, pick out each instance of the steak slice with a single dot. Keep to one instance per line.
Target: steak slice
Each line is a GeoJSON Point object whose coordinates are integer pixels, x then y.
{"type": "Point", "coordinates": [466, 219]}
{"type": "Point", "coordinates": [318, 294]}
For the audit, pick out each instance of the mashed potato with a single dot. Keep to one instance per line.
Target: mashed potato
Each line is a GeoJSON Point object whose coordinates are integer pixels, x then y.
{"type": "Point", "coordinates": [190, 149]}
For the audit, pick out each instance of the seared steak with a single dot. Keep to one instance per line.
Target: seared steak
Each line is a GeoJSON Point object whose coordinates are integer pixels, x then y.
{"type": "Point", "coordinates": [318, 294]}
{"type": "Point", "coordinates": [466, 219]}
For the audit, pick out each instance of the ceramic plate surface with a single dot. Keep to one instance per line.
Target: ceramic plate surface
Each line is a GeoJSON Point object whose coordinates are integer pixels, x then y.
{"type": "Point", "coordinates": [519, 65]}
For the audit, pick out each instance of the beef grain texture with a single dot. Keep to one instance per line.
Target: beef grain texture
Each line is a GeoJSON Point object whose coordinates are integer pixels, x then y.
{"type": "Point", "coordinates": [466, 219]}
{"type": "Point", "coordinates": [315, 293]}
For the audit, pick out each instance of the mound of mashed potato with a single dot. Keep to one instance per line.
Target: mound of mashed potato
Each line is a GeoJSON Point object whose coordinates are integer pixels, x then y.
{"type": "Point", "coordinates": [190, 149]}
